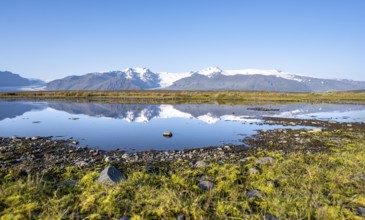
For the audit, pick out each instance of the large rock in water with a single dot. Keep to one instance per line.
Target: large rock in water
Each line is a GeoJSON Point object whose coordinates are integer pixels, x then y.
{"type": "Point", "coordinates": [110, 175]}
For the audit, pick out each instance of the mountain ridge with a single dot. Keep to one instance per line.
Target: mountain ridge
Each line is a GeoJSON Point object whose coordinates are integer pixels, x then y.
{"type": "Point", "coordinates": [211, 78]}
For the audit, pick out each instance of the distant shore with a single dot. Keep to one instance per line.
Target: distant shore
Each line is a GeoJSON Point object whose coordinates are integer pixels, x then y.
{"type": "Point", "coordinates": [166, 96]}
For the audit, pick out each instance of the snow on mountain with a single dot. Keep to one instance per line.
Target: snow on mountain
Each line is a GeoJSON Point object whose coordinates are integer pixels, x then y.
{"type": "Point", "coordinates": [167, 79]}
{"type": "Point", "coordinates": [211, 78]}
{"type": "Point", "coordinates": [277, 73]}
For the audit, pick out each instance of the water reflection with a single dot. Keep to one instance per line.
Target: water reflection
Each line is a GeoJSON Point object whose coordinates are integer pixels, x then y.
{"type": "Point", "coordinates": [140, 127]}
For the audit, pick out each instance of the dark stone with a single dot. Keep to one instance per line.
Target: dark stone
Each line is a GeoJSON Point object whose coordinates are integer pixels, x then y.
{"type": "Point", "coordinates": [206, 185]}
{"type": "Point", "coordinates": [254, 194]}
{"type": "Point", "coordinates": [180, 217]}
{"type": "Point", "coordinates": [110, 175]}
{"type": "Point", "coordinates": [360, 211]}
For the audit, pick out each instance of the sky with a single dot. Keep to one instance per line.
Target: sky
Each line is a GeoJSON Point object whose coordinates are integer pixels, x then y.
{"type": "Point", "coordinates": [52, 39]}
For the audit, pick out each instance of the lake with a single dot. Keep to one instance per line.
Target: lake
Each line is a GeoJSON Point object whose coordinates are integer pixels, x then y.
{"type": "Point", "coordinates": [133, 127]}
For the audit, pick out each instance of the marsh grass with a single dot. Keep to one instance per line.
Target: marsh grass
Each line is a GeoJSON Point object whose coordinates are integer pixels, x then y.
{"type": "Point", "coordinates": [297, 185]}
{"type": "Point", "coordinates": [165, 96]}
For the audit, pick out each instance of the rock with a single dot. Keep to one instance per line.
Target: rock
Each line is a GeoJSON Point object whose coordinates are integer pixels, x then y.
{"type": "Point", "coordinates": [82, 164]}
{"type": "Point", "coordinates": [201, 163]}
{"type": "Point", "coordinates": [206, 185]}
{"type": "Point", "coordinates": [75, 142]}
{"type": "Point", "coordinates": [108, 159]}
{"type": "Point", "coordinates": [110, 175]}
{"type": "Point", "coordinates": [270, 217]}
{"type": "Point", "coordinates": [360, 211]}
{"type": "Point", "coordinates": [167, 134]}
{"type": "Point", "coordinates": [265, 160]}
{"type": "Point", "coordinates": [34, 138]}
{"type": "Point", "coordinates": [125, 156]}
{"type": "Point", "coordinates": [126, 217]}
{"type": "Point", "coordinates": [253, 171]}
{"type": "Point", "coordinates": [254, 193]}
{"type": "Point", "coordinates": [349, 125]}
{"type": "Point", "coordinates": [358, 176]}
{"type": "Point", "coordinates": [220, 149]}
{"type": "Point", "coordinates": [315, 130]}
{"type": "Point", "coordinates": [180, 217]}
{"type": "Point", "coordinates": [226, 147]}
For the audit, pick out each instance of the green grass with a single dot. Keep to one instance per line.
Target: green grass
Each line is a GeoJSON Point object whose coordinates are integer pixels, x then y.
{"type": "Point", "coordinates": [162, 96]}
{"type": "Point", "coordinates": [296, 185]}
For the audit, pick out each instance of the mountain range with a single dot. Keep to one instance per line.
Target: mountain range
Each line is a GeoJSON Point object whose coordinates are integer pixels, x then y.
{"type": "Point", "coordinates": [211, 78]}
{"type": "Point", "coordinates": [13, 82]}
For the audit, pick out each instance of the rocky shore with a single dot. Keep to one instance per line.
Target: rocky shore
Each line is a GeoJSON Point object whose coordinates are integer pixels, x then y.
{"type": "Point", "coordinates": [314, 172]}
{"type": "Point", "coordinates": [34, 154]}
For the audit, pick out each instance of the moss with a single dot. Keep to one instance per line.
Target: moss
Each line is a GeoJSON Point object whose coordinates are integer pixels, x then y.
{"type": "Point", "coordinates": [296, 185]}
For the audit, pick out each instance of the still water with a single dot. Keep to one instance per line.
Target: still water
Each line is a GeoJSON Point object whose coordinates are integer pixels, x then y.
{"type": "Point", "coordinates": [140, 127]}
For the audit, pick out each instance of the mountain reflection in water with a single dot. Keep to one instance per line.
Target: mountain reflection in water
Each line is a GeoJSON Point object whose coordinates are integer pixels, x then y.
{"type": "Point", "coordinates": [140, 127]}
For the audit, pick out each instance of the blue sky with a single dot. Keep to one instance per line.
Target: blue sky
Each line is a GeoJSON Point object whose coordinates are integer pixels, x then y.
{"type": "Point", "coordinates": [50, 39]}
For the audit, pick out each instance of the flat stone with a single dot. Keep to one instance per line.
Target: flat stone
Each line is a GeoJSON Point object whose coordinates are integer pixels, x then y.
{"type": "Point", "coordinates": [110, 175]}
{"type": "Point", "coordinates": [253, 171]}
{"type": "Point", "coordinates": [360, 211]}
{"type": "Point", "coordinates": [254, 193]}
{"type": "Point", "coordinates": [265, 160]}
{"type": "Point", "coordinates": [206, 185]}
{"type": "Point", "coordinates": [315, 130]}
{"type": "Point", "coordinates": [201, 163]}
{"type": "Point", "coordinates": [180, 217]}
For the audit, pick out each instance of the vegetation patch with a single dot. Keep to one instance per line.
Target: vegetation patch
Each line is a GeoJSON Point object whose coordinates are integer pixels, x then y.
{"type": "Point", "coordinates": [269, 183]}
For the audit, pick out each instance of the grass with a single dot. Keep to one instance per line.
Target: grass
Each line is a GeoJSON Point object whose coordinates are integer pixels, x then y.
{"type": "Point", "coordinates": [297, 185]}
{"type": "Point", "coordinates": [164, 96]}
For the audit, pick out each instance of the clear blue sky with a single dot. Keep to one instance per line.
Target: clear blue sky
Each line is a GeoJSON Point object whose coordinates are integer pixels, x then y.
{"type": "Point", "coordinates": [50, 39]}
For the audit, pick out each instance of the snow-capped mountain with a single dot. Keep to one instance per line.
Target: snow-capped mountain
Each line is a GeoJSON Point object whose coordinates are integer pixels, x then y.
{"type": "Point", "coordinates": [211, 78]}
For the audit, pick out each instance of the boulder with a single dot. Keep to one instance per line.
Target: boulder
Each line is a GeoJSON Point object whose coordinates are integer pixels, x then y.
{"type": "Point", "coordinates": [265, 160]}
{"type": "Point", "coordinates": [201, 163]}
{"type": "Point", "coordinates": [110, 175]}
{"type": "Point", "coordinates": [167, 134]}
{"type": "Point", "coordinates": [206, 185]}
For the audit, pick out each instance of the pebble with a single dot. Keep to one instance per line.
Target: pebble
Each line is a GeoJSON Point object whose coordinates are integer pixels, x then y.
{"type": "Point", "coordinates": [253, 171]}
{"type": "Point", "coordinates": [265, 160]}
{"type": "Point", "coordinates": [360, 211]}
{"type": "Point", "coordinates": [206, 185]}
{"type": "Point", "coordinates": [201, 163]}
{"type": "Point", "coordinates": [254, 194]}
{"type": "Point", "coordinates": [180, 217]}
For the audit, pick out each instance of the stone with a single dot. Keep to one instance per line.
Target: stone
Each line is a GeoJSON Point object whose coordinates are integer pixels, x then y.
{"type": "Point", "coordinates": [226, 147]}
{"type": "Point", "coordinates": [360, 211]}
{"type": "Point", "coordinates": [108, 159]}
{"type": "Point", "coordinates": [254, 194]}
{"type": "Point", "coordinates": [180, 217]}
{"type": "Point", "coordinates": [206, 185]}
{"type": "Point", "coordinates": [201, 163]}
{"type": "Point", "coordinates": [75, 142]}
{"type": "Point", "coordinates": [270, 217]}
{"type": "Point", "coordinates": [34, 138]}
{"type": "Point", "coordinates": [126, 217]}
{"type": "Point", "coordinates": [265, 160]}
{"type": "Point", "coordinates": [253, 171]}
{"type": "Point", "coordinates": [82, 164]}
{"type": "Point", "coordinates": [110, 175]}
{"type": "Point", "coordinates": [315, 130]}
{"type": "Point", "coordinates": [167, 134]}
{"type": "Point", "coordinates": [125, 156]}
